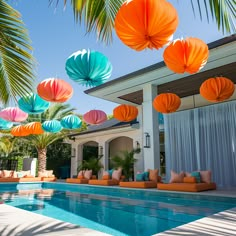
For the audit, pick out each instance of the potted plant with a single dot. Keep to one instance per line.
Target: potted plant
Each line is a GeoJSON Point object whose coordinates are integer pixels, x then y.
{"type": "Point", "coordinates": [126, 162]}
{"type": "Point", "coordinates": [93, 163]}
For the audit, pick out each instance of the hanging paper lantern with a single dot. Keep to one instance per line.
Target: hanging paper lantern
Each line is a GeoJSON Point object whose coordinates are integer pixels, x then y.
{"type": "Point", "coordinates": [4, 124]}
{"type": "Point", "coordinates": [34, 128]}
{"type": "Point", "coordinates": [95, 117]}
{"type": "Point", "coordinates": [71, 122]}
{"type": "Point", "coordinates": [55, 90]}
{"type": "Point", "coordinates": [52, 126]}
{"type": "Point", "coordinates": [88, 68]}
{"type": "Point", "coordinates": [19, 131]}
{"type": "Point", "coordinates": [166, 102]}
{"type": "Point", "coordinates": [144, 24]}
{"type": "Point", "coordinates": [189, 55]}
{"type": "Point", "coordinates": [217, 89]}
{"type": "Point", "coordinates": [125, 113]}
{"type": "Point", "coordinates": [13, 114]}
{"type": "Point", "coordinates": [33, 104]}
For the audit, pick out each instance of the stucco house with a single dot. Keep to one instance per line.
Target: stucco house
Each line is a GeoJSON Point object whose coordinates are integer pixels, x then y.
{"type": "Point", "coordinates": [189, 139]}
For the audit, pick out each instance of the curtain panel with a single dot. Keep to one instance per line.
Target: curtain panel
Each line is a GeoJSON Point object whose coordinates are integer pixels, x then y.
{"type": "Point", "coordinates": [203, 139]}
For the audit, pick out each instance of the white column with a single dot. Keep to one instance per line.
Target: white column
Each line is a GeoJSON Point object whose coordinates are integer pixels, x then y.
{"type": "Point", "coordinates": [76, 159]}
{"type": "Point", "coordinates": [150, 126]}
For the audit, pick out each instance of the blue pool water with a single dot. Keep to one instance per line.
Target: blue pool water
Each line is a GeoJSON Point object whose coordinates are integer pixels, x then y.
{"type": "Point", "coordinates": [113, 210]}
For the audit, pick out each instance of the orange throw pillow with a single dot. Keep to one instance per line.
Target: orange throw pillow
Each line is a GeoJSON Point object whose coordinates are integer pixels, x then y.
{"type": "Point", "coordinates": [153, 175]}
{"type": "Point", "coordinates": [176, 178]}
{"type": "Point", "coordinates": [205, 176]}
{"type": "Point", "coordinates": [190, 179]}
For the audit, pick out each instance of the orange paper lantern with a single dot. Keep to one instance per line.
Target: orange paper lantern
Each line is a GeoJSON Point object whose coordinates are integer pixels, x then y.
{"type": "Point", "coordinates": [19, 131]}
{"type": "Point", "coordinates": [55, 90]}
{"type": "Point", "coordinates": [34, 128]}
{"type": "Point", "coordinates": [166, 103]}
{"type": "Point", "coordinates": [144, 24]}
{"type": "Point", "coordinates": [189, 55]}
{"type": "Point", "coordinates": [217, 89]}
{"type": "Point", "coordinates": [125, 113]}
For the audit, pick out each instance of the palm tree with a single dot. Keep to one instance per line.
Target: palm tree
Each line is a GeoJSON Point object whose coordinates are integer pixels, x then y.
{"type": "Point", "coordinates": [17, 65]}
{"type": "Point", "coordinates": [42, 141]}
{"type": "Point", "coordinates": [99, 15]}
{"type": "Point", "coordinates": [7, 145]}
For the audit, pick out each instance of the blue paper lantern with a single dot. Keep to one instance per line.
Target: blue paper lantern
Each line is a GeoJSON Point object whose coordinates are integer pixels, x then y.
{"type": "Point", "coordinates": [4, 124]}
{"type": "Point", "coordinates": [52, 126]}
{"type": "Point", "coordinates": [89, 68]}
{"type": "Point", "coordinates": [33, 104]}
{"type": "Point", "coordinates": [71, 122]}
{"type": "Point", "coordinates": [160, 118]}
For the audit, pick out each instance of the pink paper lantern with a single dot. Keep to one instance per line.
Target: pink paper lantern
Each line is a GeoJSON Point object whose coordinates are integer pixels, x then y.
{"type": "Point", "coordinates": [13, 114]}
{"type": "Point", "coordinates": [95, 117]}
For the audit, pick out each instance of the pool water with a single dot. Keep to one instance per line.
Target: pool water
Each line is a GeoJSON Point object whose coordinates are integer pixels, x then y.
{"type": "Point", "coordinates": [112, 210]}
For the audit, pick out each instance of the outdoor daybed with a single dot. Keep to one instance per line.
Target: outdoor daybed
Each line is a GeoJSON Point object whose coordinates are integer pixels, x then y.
{"type": "Point", "coordinates": [21, 176]}
{"type": "Point", "coordinates": [196, 181]}
{"type": "Point", "coordinates": [138, 184]}
{"type": "Point", "coordinates": [83, 177]}
{"type": "Point", "coordinates": [187, 187]}
{"type": "Point", "coordinates": [47, 176]}
{"type": "Point", "coordinates": [77, 181]}
{"type": "Point", "coordinates": [20, 180]}
{"type": "Point", "coordinates": [104, 182]}
{"type": "Point", "coordinates": [108, 179]}
{"type": "Point", "coordinates": [148, 179]}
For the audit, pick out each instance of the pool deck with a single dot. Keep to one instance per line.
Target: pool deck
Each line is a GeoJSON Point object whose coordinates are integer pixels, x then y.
{"type": "Point", "coordinates": [14, 221]}
{"type": "Point", "coordinates": [222, 223]}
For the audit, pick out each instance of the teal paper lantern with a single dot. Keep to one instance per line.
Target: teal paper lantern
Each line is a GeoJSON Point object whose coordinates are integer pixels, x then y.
{"type": "Point", "coordinates": [33, 104]}
{"type": "Point", "coordinates": [89, 68]}
{"type": "Point", "coordinates": [71, 122]}
{"type": "Point", "coordinates": [52, 126]}
{"type": "Point", "coordinates": [4, 124]}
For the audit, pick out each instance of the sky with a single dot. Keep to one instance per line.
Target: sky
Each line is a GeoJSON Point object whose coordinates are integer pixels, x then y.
{"type": "Point", "coordinates": [55, 36]}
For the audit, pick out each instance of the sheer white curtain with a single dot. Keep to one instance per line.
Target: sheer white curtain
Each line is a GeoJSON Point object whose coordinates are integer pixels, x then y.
{"type": "Point", "coordinates": [203, 139]}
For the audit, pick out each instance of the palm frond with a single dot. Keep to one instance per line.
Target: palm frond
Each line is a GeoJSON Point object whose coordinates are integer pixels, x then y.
{"type": "Point", "coordinates": [222, 11]}
{"type": "Point", "coordinates": [43, 140]}
{"type": "Point", "coordinates": [17, 65]}
{"type": "Point", "coordinates": [98, 16]}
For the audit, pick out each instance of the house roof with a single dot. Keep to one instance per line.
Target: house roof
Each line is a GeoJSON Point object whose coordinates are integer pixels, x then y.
{"type": "Point", "coordinates": [129, 88]}
{"type": "Point", "coordinates": [107, 125]}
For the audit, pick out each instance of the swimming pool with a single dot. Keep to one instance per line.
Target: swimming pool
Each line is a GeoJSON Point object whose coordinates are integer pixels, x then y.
{"type": "Point", "coordinates": [113, 210]}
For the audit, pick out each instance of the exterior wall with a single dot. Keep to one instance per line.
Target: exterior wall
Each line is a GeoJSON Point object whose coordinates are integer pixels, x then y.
{"type": "Point", "coordinates": [120, 143]}
{"type": "Point", "coordinates": [103, 138]}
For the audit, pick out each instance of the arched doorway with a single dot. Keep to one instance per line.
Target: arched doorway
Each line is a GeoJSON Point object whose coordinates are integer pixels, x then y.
{"type": "Point", "coordinates": [90, 150]}
{"type": "Point", "coordinates": [117, 145]}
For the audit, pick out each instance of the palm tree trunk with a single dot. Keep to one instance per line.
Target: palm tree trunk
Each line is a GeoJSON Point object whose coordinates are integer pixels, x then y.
{"type": "Point", "coordinates": [42, 159]}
